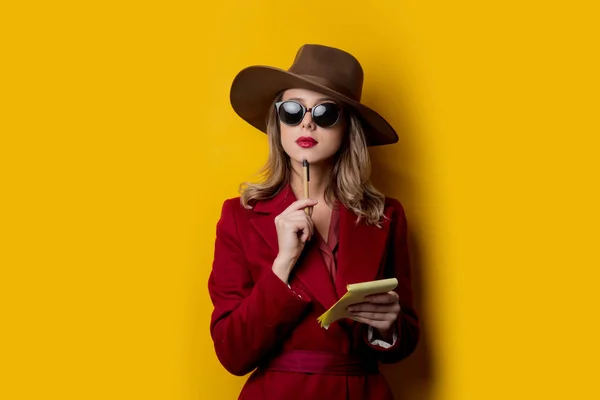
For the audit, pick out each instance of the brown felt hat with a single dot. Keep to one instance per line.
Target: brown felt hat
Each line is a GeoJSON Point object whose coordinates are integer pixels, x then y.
{"type": "Point", "coordinates": [322, 69]}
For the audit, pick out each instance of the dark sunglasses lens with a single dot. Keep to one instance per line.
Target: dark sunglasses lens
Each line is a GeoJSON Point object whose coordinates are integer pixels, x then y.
{"type": "Point", "coordinates": [326, 114]}
{"type": "Point", "coordinates": [290, 113]}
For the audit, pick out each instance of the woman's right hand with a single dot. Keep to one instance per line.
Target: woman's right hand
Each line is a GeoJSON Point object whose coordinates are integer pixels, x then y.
{"type": "Point", "coordinates": [294, 229]}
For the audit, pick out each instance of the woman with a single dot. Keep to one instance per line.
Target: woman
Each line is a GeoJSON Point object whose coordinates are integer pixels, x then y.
{"type": "Point", "coordinates": [282, 260]}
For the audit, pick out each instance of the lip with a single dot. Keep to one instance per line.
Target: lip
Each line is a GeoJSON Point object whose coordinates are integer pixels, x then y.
{"type": "Point", "coordinates": [306, 142]}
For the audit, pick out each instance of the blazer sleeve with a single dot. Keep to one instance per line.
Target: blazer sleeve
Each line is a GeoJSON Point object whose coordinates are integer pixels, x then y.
{"type": "Point", "coordinates": [249, 318]}
{"type": "Point", "coordinates": [407, 327]}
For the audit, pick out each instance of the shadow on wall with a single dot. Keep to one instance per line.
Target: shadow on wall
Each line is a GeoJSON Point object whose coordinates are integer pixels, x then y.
{"type": "Point", "coordinates": [394, 169]}
{"type": "Point", "coordinates": [412, 378]}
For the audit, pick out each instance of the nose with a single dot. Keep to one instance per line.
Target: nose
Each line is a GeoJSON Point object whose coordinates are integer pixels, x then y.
{"type": "Point", "coordinates": [307, 121]}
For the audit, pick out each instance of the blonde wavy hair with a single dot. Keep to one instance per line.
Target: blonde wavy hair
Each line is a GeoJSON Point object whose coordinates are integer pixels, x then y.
{"type": "Point", "coordinates": [350, 178]}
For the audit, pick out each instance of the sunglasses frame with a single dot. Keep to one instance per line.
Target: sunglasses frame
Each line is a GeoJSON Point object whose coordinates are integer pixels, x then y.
{"type": "Point", "coordinates": [311, 110]}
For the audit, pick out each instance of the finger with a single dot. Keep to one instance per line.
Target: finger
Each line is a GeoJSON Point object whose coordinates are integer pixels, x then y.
{"type": "Point", "coordinates": [395, 307]}
{"type": "Point", "coordinates": [384, 298]}
{"type": "Point", "coordinates": [298, 214]}
{"type": "Point", "coordinates": [302, 229]}
{"type": "Point", "coordinates": [300, 217]}
{"type": "Point", "coordinates": [375, 316]}
{"type": "Point", "coordinates": [374, 324]}
{"type": "Point", "coordinates": [305, 236]}
{"type": "Point", "coordinates": [311, 225]}
{"type": "Point", "coordinates": [297, 222]}
{"type": "Point", "coordinates": [299, 205]}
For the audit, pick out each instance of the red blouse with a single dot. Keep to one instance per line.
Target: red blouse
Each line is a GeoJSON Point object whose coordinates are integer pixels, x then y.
{"type": "Point", "coordinates": [328, 248]}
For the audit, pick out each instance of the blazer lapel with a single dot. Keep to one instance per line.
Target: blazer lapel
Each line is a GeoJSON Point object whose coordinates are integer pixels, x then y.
{"type": "Point", "coordinates": [265, 212]}
{"type": "Point", "coordinates": [310, 268]}
{"type": "Point", "coordinates": [361, 249]}
{"type": "Point", "coordinates": [312, 272]}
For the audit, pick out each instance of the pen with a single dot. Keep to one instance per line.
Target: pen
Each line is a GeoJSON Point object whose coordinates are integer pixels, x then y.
{"type": "Point", "coordinates": [307, 210]}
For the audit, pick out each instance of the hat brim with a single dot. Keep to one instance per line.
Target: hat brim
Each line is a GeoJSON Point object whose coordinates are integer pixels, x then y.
{"type": "Point", "coordinates": [254, 89]}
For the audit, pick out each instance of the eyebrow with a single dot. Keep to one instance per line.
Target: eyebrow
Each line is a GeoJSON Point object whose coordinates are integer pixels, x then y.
{"type": "Point", "coordinates": [318, 100]}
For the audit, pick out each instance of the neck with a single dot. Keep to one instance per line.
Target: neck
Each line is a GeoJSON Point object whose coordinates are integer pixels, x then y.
{"type": "Point", "coordinates": [320, 176]}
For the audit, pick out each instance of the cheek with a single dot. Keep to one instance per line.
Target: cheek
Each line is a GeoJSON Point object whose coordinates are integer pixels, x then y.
{"type": "Point", "coordinates": [287, 137]}
{"type": "Point", "coordinates": [335, 139]}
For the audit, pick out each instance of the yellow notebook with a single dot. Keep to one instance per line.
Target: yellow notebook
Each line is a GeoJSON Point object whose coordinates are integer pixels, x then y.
{"type": "Point", "coordinates": [356, 294]}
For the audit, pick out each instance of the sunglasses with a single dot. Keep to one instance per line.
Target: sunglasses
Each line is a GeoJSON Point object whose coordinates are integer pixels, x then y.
{"type": "Point", "coordinates": [291, 113]}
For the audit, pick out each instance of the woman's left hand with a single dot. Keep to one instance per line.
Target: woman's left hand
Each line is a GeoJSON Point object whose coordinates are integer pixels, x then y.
{"type": "Point", "coordinates": [379, 311]}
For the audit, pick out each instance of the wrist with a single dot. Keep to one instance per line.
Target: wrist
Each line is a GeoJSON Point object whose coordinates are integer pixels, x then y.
{"type": "Point", "coordinates": [282, 267]}
{"type": "Point", "coordinates": [386, 335]}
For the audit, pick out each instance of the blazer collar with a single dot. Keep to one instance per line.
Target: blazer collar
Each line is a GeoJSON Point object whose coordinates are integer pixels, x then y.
{"type": "Point", "coordinates": [278, 203]}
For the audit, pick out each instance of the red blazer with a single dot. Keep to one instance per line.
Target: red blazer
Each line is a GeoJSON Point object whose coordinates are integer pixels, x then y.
{"type": "Point", "coordinates": [256, 316]}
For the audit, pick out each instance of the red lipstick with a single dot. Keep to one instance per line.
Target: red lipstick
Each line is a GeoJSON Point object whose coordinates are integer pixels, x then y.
{"type": "Point", "coordinates": [306, 142]}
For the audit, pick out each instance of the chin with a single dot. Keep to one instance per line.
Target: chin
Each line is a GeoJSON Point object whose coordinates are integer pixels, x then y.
{"type": "Point", "coordinates": [311, 157]}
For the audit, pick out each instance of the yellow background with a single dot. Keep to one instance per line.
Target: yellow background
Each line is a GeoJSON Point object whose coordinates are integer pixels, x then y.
{"type": "Point", "coordinates": [118, 146]}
